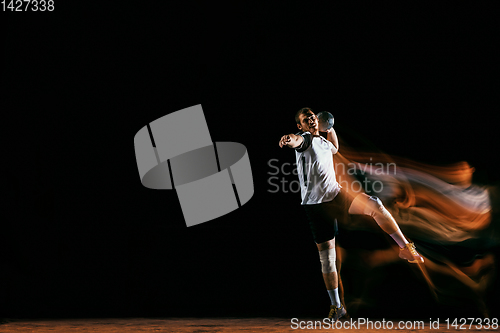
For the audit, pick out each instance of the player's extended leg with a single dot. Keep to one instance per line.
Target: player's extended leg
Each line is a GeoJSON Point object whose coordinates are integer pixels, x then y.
{"type": "Point", "coordinates": [372, 206]}
{"type": "Point", "coordinates": [327, 256]}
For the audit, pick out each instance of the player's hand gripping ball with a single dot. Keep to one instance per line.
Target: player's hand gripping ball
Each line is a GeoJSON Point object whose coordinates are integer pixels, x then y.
{"type": "Point", "coordinates": [325, 120]}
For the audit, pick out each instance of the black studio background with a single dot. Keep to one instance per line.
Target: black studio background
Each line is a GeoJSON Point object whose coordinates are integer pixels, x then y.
{"type": "Point", "coordinates": [84, 238]}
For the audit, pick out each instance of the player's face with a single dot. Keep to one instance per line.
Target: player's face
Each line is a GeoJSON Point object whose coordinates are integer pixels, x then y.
{"type": "Point", "coordinates": [308, 122]}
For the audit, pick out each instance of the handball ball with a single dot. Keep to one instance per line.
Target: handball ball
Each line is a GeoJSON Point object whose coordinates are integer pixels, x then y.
{"type": "Point", "coordinates": [325, 120]}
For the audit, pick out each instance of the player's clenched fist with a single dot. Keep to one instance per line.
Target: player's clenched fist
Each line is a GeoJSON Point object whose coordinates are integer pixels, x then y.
{"type": "Point", "coordinates": [291, 140]}
{"type": "Point", "coordinates": [285, 139]}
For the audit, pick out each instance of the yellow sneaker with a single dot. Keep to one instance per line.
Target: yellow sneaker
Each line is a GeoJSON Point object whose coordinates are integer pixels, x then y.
{"type": "Point", "coordinates": [336, 313]}
{"type": "Point", "coordinates": [409, 253]}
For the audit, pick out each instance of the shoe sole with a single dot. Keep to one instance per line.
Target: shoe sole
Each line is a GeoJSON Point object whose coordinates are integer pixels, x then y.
{"type": "Point", "coordinates": [415, 261]}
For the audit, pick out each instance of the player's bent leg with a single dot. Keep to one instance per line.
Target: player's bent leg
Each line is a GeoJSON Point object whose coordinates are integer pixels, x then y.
{"type": "Point", "coordinates": [372, 206]}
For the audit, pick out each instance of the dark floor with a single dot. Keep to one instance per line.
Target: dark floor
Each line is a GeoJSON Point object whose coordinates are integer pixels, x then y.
{"type": "Point", "coordinates": [232, 325]}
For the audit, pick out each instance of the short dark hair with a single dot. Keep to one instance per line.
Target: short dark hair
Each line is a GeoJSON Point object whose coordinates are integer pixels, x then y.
{"type": "Point", "coordinates": [301, 111]}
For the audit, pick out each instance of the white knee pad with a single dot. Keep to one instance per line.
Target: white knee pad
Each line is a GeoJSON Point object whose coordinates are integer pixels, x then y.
{"type": "Point", "coordinates": [375, 206]}
{"type": "Point", "coordinates": [327, 258]}
{"type": "Point", "coordinates": [381, 215]}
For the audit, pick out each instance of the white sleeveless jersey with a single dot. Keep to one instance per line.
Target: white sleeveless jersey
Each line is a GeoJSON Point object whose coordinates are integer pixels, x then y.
{"type": "Point", "coordinates": [314, 159]}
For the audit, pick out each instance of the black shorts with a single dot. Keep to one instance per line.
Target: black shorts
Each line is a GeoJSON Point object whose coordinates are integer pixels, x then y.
{"type": "Point", "coordinates": [323, 217]}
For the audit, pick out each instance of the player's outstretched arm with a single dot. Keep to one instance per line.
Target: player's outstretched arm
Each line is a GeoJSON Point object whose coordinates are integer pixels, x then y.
{"type": "Point", "coordinates": [291, 140]}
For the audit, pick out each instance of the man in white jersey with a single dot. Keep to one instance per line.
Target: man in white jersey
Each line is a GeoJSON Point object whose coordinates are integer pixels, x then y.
{"type": "Point", "coordinates": [325, 202]}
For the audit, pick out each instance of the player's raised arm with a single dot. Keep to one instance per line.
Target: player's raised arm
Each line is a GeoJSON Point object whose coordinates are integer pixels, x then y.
{"type": "Point", "coordinates": [332, 137]}
{"type": "Point", "coordinates": [291, 140]}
